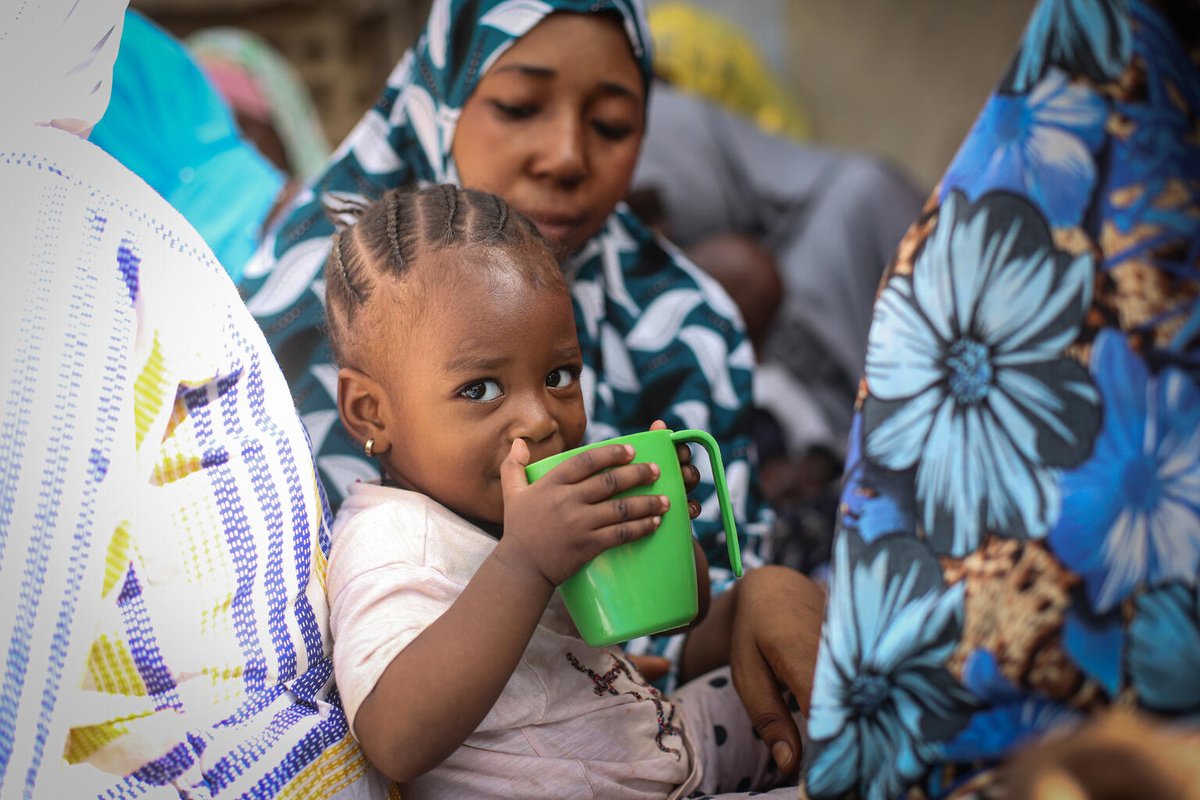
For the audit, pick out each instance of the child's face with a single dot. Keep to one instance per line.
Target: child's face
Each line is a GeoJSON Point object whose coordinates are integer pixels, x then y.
{"type": "Point", "coordinates": [489, 359]}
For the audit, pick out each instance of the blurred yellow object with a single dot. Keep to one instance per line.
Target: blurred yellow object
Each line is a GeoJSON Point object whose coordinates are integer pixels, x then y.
{"type": "Point", "coordinates": [706, 54]}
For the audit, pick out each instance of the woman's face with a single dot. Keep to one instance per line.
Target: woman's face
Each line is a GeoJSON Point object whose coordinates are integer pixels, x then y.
{"type": "Point", "coordinates": [555, 126]}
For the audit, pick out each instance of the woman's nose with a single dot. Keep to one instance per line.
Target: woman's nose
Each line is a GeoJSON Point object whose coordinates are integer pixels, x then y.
{"type": "Point", "coordinates": [562, 149]}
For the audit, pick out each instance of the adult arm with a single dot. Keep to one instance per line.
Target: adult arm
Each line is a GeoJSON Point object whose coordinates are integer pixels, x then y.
{"type": "Point", "coordinates": [767, 627]}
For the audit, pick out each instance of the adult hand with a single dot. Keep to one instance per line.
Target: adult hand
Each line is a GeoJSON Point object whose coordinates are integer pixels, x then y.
{"type": "Point", "coordinates": [775, 632]}
{"type": "Point", "coordinates": [568, 517]}
{"type": "Point", "coordinates": [1119, 753]}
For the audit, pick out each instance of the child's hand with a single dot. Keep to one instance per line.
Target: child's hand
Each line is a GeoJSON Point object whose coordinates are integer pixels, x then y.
{"type": "Point", "coordinates": [691, 475]}
{"type": "Point", "coordinates": [569, 516]}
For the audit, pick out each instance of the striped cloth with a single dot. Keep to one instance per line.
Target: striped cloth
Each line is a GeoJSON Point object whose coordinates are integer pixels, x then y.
{"type": "Point", "coordinates": [162, 529]}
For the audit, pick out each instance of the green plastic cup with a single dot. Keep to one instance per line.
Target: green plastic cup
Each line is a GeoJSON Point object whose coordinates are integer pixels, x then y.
{"type": "Point", "coordinates": [649, 585]}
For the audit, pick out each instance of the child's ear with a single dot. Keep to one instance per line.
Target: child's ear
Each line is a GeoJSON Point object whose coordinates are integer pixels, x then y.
{"type": "Point", "coordinates": [361, 405]}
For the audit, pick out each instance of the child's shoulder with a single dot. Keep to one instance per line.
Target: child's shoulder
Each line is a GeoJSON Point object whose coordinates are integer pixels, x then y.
{"type": "Point", "coordinates": [379, 525]}
{"type": "Point", "coordinates": [381, 521]}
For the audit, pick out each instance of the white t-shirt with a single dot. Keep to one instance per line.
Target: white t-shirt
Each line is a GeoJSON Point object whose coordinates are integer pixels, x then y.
{"type": "Point", "coordinates": [574, 721]}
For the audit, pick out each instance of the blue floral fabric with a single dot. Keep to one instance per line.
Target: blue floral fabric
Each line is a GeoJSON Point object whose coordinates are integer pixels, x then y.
{"type": "Point", "coordinates": [1019, 533]}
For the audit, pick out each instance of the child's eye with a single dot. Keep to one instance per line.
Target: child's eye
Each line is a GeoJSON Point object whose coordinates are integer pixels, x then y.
{"type": "Point", "coordinates": [481, 391]}
{"type": "Point", "coordinates": [561, 378]}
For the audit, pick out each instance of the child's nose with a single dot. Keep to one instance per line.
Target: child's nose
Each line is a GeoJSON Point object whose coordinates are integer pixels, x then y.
{"type": "Point", "coordinates": [534, 422]}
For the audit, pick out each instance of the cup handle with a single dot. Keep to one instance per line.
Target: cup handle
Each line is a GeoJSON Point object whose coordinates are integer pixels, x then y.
{"type": "Point", "coordinates": [705, 440]}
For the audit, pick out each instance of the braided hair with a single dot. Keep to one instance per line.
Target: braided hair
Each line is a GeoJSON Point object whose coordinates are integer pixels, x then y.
{"type": "Point", "coordinates": [393, 234]}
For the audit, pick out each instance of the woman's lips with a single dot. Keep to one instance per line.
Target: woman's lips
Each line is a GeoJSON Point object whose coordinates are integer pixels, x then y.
{"type": "Point", "coordinates": [556, 227]}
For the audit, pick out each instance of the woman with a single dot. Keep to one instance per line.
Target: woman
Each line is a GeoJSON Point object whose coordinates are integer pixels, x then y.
{"type": "Point", "coordinates": [267, 97]}
{"type": "Point", "coordinates": [166, 627]}
{"type": "Point", "coordinates": [1019, 543]}
{"type": "Point", "coordinates": [547, 110]}
{"type": "Point", "coordinates": [169, 126]}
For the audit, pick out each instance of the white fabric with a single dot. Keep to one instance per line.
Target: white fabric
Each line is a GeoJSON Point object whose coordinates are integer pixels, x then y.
{"type": "Point", "coordinates": [399, 560]}
{"type": "Point", "coordinates": [163, 580]}
{"type": "Point", "coordinates": [56, 60]}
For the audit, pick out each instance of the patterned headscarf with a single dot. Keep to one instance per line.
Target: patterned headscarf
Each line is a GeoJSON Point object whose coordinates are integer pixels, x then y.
{"type": "Point", "coordinates": [1019, 538]}
{"type": "Point", "coordinates": [659, 337]}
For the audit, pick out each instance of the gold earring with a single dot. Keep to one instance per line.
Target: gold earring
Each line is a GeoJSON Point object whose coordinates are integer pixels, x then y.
{"type": "Point", "coordinates": [368, 447]}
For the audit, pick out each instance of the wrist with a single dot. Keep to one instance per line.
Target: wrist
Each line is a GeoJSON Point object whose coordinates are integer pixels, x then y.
{"type": "Point", "coordinates": [519, 567]}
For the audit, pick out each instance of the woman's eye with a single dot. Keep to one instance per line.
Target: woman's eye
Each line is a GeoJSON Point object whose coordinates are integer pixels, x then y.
{"type": "Point", "coordinates": [560, 378]}
{"type": "Point", "coordinates": [481, 391]}
{"type": "Point", "coordinates": [514, 110]}
{"type": "Point", "coordinates": [610, 131]}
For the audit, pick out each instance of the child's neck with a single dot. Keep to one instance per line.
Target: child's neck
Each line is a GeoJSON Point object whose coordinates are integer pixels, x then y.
{"type": "Point", "coordinates": [493, 529]}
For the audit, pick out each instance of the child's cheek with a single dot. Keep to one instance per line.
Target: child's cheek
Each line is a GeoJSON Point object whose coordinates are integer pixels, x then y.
{"type": "Point", "coordinates": [575, 437]}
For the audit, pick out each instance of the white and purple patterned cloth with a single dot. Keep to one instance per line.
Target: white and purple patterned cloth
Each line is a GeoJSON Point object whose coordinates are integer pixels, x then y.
{"type": "Point", "coordinates": [162, 529]}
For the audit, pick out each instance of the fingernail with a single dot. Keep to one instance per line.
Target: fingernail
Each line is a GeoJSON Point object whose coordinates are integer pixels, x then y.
{"type": "Point", "coordinates": [666, 501]}
{"type": "Point", "coordinates": [629, 451]}
{"type": "Point", "coordinates": [782, 753]}
{"type": "Point", "coordinates": [656, 520]}
{"type": "Point", "coordinates": [655, 470]}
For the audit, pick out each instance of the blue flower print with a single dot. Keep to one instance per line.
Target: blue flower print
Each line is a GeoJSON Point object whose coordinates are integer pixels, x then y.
{"type": "Point", "coordinates": [1095, 644]}
{"type": "Point", "coordinates": [874, 502]}
{"type": "Point", "coordinates": [995, 732]}
{"type": "Point", "coordinates": [882, 698]}
{"type": "Point", "coordinates": [967, 377]}
{"type": "Point", "coordinates": [1164, 650]}
{"type": "Point", "coordinates": [1040, 144]}
{"type": "Point", "coordinates": [1091, 37]}
{"type": "Point", "coordinates": [1149, 187]}
{"type": "Point", "coordinates": [1131, 513]}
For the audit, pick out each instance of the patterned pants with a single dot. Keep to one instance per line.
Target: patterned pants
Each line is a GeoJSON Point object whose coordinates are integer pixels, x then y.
{"type": "Point", "coordinates": [736, 762]}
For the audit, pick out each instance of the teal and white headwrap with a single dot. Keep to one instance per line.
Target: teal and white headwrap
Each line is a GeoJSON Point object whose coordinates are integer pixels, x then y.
{"type": "Point", "coordinates": [660, 338]}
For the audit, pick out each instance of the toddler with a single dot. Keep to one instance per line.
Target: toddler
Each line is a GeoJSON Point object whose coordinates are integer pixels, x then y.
{"type": "Point", "coordinates": [459, 669]}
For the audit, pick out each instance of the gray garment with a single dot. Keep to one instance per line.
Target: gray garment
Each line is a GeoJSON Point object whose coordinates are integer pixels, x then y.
{"type": "Point", "coordinates": [831, 219]}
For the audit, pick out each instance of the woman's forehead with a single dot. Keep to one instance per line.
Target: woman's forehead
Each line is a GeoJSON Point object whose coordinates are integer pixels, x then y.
{"type": "Point", "coordinates": [581, 43]}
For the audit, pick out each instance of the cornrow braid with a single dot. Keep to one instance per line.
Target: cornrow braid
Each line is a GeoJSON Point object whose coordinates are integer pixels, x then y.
{"type": "Point", "coordinates": [335, 256]}
{"type": "Point", "coordinates": [450, 195]}
{"type": "Point", "coordinates": [396, 233]}
{"type": "Point", "coordinates": [393, 227]}
{"type": "Point", "coordinates": [502, 213]}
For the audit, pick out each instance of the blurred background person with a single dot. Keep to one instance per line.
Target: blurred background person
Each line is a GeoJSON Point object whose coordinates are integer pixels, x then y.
{"type": "Point", "coordinates": [168, 123]}
{"type": "Point", "coordinates": [271, 105]}
{"type": "Point", "coordinates": [799, 236]}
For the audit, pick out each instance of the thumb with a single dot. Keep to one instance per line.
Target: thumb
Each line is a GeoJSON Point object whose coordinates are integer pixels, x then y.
{"type": "Point", "coordinates": [769, 714]}
{"type": "Point", "coordinates": [658, 425]}
{"type": "Point", "coordinates": [512, 468]}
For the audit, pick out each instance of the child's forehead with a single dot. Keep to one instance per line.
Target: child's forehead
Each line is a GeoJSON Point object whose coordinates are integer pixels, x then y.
{"type": "Point", "coordinates": [470, 292]}
{"type": "Point", "coordinates": [489, 275]}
